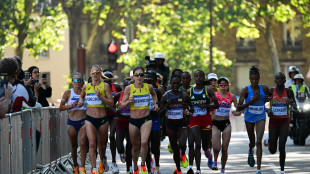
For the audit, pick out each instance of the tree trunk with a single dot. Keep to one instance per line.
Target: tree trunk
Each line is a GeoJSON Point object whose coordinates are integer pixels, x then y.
{"type": "Point", "coordinates": [272, 47]}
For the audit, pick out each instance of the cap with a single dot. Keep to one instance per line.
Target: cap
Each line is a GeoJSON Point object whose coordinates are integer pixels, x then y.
{"type": "Point", "coordinates": [212, 76]}
{"type": "Point", "coordinates": [223, 78]}
{"type": "Point", "coordinates": [159, 55]}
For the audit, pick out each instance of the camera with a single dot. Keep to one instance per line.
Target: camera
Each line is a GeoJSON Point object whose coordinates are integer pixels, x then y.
{"type": "Point", "coordinates": [44, 76]}
{"type": "Point", "coordinates": [152, 63]}
{"type": "Point", "coordinates": [3, 81]}
{"type": "Point", "coordinates": [35, 81]}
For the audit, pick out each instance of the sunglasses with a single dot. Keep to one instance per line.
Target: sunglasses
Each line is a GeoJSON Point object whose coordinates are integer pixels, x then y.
{"type": "Point", "coordinates": [77, 80]}
{"type": "Point", "coordinates": [223, 84]}
{"type": "Point", "coordinates": [96, 72]}
{"type": "Point", "coordinates": [139, 74]}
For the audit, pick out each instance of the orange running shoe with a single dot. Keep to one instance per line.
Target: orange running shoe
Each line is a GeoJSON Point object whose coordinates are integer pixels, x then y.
{"type": "Point", "coordinates": [177, 172]}
{"type": "Point", "coordinates": [93, 171]}
{"type": "Point", "coordinates": [136, 171]}
{"type": "Point", "coordinates": [101, 167]}
{"type": "Point", "coordinates": [184, 161]}
{"type": "Point", "coordinates": [76, 170]}
{"type": "Point", "coordinates": [82, 170]}
{"type": "Point", "coordinates": [144, 170]}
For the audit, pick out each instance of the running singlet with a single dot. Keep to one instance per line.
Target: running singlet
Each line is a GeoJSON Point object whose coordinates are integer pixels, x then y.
{"type": "Point", "coordinates": [91, 98]}
{"type": "Point", "coordinates": [199, 98]}
{"type": "Point", "coordinates": [175, 111]}
{"type": "Point", "coordinates": [141, 97]}
{"type": "Point", "coordinates": [75, 97]}
{"type": "Point", "coordinates": [279, 104]}
{"type": "Point", "coordinates": [255, 111]}
{"type": "Point", "coordinates": [225, 105]}
{"type": "Point", "coordinates": [125, 113]}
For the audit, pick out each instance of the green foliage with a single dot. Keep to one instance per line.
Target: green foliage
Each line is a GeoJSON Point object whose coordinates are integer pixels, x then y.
{"type": "Point", "coordinates": [35, 30]}
{"type": "Point", "coordinates": [178, 29]}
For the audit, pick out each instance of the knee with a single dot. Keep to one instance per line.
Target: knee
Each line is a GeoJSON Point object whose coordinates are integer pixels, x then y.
{"type": "Point", "coordinates": [198, 146]}
{"type": "Point", "coordinates": [224, 151]}
{"type": "Point", "coordinates": [259, 143]}
{"type": "Point", "coordinates": [216, 149]}
{"type": "Point", "coordinates": [112, 136]}
{"type": "Point", "coordinates": [92, 144]}
{"type": "Point", "coordinates": [272, 150]}
{"type": "Point", "coordinates": [144, 143]}
{"type": "Point", "coordinates": [282, 149]}
{"type": "Point", "coordinates": [191, 145]}
{"type": "Point", "coordinates": [83, 144]}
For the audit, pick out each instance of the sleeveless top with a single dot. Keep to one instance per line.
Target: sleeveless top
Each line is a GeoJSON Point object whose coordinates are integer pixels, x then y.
{"type": "Point", "coordinates": [225, 105]}
{"type": "Point", "coordinates": [75, 97]}
{"type": "Point", "coordinates": [91, 98]}
{"type": "Point", "coordinates": [141, 97]}
{"type": "Point", "coordinates": [125, 113]}
{"type": "Point", "coordinates": [255, 111]}
{"type": "Point", "coordinates": [197, 98]}
{"type": "Point", "coordinates": [175, 111]}
{"type": "Point", "coordinates": [279, 104]}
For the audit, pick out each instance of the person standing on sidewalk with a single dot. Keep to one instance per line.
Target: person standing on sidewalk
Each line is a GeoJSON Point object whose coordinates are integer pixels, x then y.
{"type": "Point", "coordinates": [221, 128]}
{"type": "Point", "coordinates": [279, 121]}
{"type": "Point", "coordinates": [76, 120]}
{"type": "Point", "coordinates": [137, 96]}
{"type": "Point", "coordinates": [255, 97]}
{"type": "Point", "coordinates": [98, 96]}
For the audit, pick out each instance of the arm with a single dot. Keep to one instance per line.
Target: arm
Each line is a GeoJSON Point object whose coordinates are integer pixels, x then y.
{"type": "Point", "coordinates": [5, 101]}
{"type": "Point", "coordinates": [82, 97]}
{"type": "Point", "coordinates": [64, 100]}
{"type": "Point", "coordinates": [290, 95]}
{"type": "Point", "coordinates": [118, 88]}
{"type": "Point", "coordinates": [163, 104]}
{"type": "Point", "coordinates": [116, 97]}
{"type": "Point", "coordinates": [108, 99]}
{"type": "Point", "coordinates": [213, 98]}
{"type": "Point", "coordinates": [244, 93]}
{"type": "Point", "coordinates": [188, 103]}
{"type": "Point", "coordinates": [234, 100]}
{"type": "Point", "coordinates": [126, 99]}
{"type": "Point", "coordinates": [268, 93]}
{"type": "Point", "coordinates": [154, 97]}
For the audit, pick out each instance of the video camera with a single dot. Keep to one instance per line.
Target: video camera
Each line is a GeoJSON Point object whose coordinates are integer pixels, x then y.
{"type": "Point", "coordinates": [151, 64]}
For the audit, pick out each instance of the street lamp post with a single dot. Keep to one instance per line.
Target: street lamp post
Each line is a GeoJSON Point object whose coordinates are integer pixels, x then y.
{"type": "Point", "coordinates": [211, 37]}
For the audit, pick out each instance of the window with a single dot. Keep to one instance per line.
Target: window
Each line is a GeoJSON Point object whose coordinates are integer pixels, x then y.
{"type": "Point", "coordinates": [245, 44]}
{"type": "Point", "coordinates": [292, 34]}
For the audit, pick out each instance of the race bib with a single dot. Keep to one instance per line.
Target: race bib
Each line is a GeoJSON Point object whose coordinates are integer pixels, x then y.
{"type": "Point", "coordinates": [125, 111]}
{"type": "Point", "coordinates": [93, 99]}
{"type": "Point", "coordinates": [222, 111]}
{"type": "Point", "coordinates": [175, 113]}
{"type": "Point", "coordinates": [279, 110]}
{"type": "Point", "coordinates": [256, 109]}
{"type": "Point", "coordinates": [151, 103]}
{"type": "Point", "coordinates": [199, 111]}
{"type": "Point", "coordinates": [141, 100]}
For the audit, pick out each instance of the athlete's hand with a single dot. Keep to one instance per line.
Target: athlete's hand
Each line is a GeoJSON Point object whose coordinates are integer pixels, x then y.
{"type": "Point", "coordinates": [80, 104]}
{"type": "Point", "coordinates": [255, 97]}
{"type": "Point", "coordinates": [269, 112]}
{"type": "Point", "coordinates": [236, 113]}
{"type": "Point", "coordinates": [203, 105]}
{"type": "Point", "coordinates": [155, 107]}
{"type": "Point", "coordinates": [97, 92]}
{"type": "Point", "coordinates": [130, 99]}
{"type": "Point", "coordinates": [75, 103]}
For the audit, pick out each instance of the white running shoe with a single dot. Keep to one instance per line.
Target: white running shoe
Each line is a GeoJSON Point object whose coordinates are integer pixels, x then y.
{"type": "Point", "coordinates": [114, 168]}
{"type": "Point", "coordinates": [122, 157]}
{"type": "Point", "coordinates": [106, 165]}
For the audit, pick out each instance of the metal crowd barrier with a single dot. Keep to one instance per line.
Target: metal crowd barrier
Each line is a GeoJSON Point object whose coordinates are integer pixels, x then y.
{"type": "Point", "coordinates": [34, 140]}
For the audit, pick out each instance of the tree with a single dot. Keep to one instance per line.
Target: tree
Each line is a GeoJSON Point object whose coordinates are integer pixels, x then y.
{"type": "Point", "coordinates": [180, 30]}
{"type": "Point", "coordinates": [25, 27]}
{"type": "Point", "coordinates": [254, 18]}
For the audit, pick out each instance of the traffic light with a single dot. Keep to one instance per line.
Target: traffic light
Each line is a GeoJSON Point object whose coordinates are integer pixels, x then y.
{"type": "Point", "coordinates": [112, 55]}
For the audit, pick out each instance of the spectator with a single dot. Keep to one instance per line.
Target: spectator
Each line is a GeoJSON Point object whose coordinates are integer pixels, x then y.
{"type": "Point", "coordinates": [41, 88]}
{"type": "Point", "coordinates": [5, 101]}
{"type": "Point", "coordinates": [20, 94]}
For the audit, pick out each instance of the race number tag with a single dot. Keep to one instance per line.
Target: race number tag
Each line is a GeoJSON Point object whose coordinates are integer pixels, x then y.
{"type": "Point", "coordinates": [199, 111]}
{"type": "Point", "coordinates": [279, 110]}
{"type": "Point", "coordinates": [141, 100]}
{"type": "Point", "coordinates": [93, 99]}
{"type": "Point", "coordinates": [222, 111]}
{"type": "Point", "coordinates": [175, 113]}
{"type": "Point", "coordinates": [256, 109]}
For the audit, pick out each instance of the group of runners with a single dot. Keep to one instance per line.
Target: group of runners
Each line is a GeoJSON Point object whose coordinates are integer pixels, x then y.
{"type": "Point", "coordinates": [197, 116]}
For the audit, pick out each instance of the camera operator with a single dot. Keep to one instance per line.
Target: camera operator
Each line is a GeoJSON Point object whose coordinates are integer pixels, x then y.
{"type": "Point", "coordinates": [157, 64]}
{"type": "Point", "coordinates": [40, 87]}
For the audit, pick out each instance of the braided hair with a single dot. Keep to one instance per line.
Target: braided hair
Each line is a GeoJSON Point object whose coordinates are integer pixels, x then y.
{"type": "Point", "coordinates": [254, 71]}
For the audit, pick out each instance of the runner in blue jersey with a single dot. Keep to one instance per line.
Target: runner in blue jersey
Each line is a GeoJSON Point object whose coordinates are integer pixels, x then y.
{"type": "Point", "coordinates": [255, 97]}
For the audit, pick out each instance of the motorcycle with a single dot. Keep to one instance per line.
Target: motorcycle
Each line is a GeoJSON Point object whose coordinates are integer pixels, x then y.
{"type": "Point", "coordinates": [300, 123]}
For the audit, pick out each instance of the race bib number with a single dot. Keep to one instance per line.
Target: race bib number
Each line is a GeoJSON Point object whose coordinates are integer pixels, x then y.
{"type": "Point", "coordinates": [151, 103]}
{"type": "Point", "coordinates": [93, 99]}
{"type": "Point", "coordinates": [199, 111]}
{"type": "Point", "coordinates": [175, 113]}
{"type": "Point", "coordinates": [222, 111]}
{"type": "Point", "coordinates": [279, 110]}
{"type": "Point", "coordinates": [141, 100]}
{"type": "Point", "coordinates": [256, 109]}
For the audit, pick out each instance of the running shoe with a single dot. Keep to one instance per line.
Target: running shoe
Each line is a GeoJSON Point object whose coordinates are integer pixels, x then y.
{"type": "Point", "coordinates": [153, 165]}
{"type": "Point", "coordinates": [101, 167]}
{"type": "Point", "coordinates": [82, 170]}
{"type": "Point", "coordinates": [251, 160]}
{"type": "Point", "coordinates": [76, 170]}
{"type": "Point", "coordinates": [169, 149]}
{"type": "Point", "coordinates": [266, 142]}
{"type": "Point", "coordinates": [123, 157]}
{"type": "Point", "coordinates": [190, 171]}
{"type": "Point", "coordinates": [258, 172]}
{"type": "Point", "coordinates": [198, 172]}
{"type": "Point", "coordinates": [214, 166]}
{"type": "Point", "coordinates": [144, 170]}
{"type": "Point", "coordinates": [128, 172]}
{"type": "Point", "coordinates": [106, 166]}
{"type": "Point", "coordinates": [114, 168]}
{"type": "Point", "coordinates": [93, 171]}
{"type": "Point", "coordinates": [157, 171]}
{"type": "Point", "coordinates": [184, 160]}
{"type": "Point", "coordinates": [136, 171]}
{"type": "Point", "coordinates": [222, 171]}
{"type": "Point", "coordinates": [209, 156]}
{"type": "Point", "coordinates": [177, 172]}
